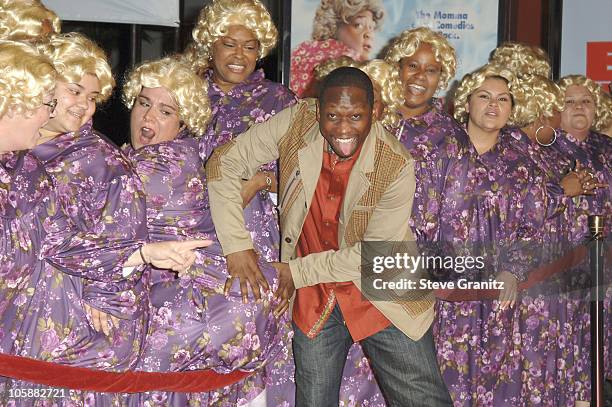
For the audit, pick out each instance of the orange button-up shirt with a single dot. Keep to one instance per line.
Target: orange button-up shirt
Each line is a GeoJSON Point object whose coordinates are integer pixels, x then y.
{"type": "Point", "coordinates": [313, 305]}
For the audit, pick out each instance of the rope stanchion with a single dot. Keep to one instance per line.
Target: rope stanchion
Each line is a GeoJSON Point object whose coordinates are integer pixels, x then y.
{"type": "Point", "coordinates": [596, 226]}
{"type": "Point", "coordinates": [79, 378]}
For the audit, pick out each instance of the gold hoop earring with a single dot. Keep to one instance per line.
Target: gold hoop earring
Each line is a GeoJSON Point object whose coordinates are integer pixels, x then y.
{"type": "Point", "coordinates": [553, 140]}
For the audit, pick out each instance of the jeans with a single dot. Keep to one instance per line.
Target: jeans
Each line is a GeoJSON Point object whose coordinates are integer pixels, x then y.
{"type": "Point", "coordinates": [407, 371]}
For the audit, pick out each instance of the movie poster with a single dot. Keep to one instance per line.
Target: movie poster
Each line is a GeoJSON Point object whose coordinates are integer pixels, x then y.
{"type": "Point", "coordinates": [471, 27]}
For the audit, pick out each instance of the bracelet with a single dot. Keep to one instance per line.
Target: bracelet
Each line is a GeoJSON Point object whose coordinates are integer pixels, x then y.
{"type": "Point", "coordinates": [144, 261]}
{"type": "Point", "coordinates": [268, 183]}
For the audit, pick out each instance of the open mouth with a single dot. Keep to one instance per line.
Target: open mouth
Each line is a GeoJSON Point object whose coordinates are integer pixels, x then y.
{"type": "Point", "coordinates": [236, 68]}
{"type": "Point", "coordinates": [345, 146]}
{"type": "Point", "coordinates": [147, 134]}
{"type": "Point", "coordinates": [416, 90]}
{"type": "Point", "coordinates": [76, 115]}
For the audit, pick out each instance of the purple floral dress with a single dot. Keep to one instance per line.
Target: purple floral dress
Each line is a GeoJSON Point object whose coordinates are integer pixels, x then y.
{"type": "Point", "coordinates": [92, 226]}
{"type": "Point", "coordinates": [253, 101]}
{"type": "Point", "coordinates": [495, 205]}
{"type": "Point", "coordinates": [234, 112]}
{"type": "Point", "coordinates": [557, 321]}
{"type": "Point", "coordinates": [595, 155]}
{"type": "Point", "coordinates": [194, 325]}
{"type": "Point", "coordinates": [434, 139]}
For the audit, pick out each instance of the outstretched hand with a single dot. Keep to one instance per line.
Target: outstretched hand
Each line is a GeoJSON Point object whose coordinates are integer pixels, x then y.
{"type": "Point", "coordinates": [243, 266]}
{"type": "Point", "coordinates": [172, 255]}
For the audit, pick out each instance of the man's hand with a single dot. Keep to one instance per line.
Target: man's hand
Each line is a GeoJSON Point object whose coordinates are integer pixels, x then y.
{"type": "Point", "coordinates": [101, 321]}
{"type": "Point", "coordinates": [243, 266]}
{"type": "Point", "coordinates": [285, 289]}
{"type": "Point", "coordinates": [508, 295]}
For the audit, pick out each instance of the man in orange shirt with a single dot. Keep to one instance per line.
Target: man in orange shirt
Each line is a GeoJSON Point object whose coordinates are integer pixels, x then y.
{"type": "Point", "coordinates": [342, 182]}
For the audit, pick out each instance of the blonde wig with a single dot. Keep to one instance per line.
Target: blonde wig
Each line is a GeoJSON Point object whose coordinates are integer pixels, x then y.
{"type": "Point", "coordinates": [472, 81]}
{"type": "Point", "coordinates": [596, 92]}
{"type": "Point", "coordinates": [331, 13]}
{"type": "Point", "coordinates": [605, 121]}
{"type": "Point", "coordinates": [409, 42]}
{"type": "Point", "coordinates": [27, 21]}
{"type": "Point", "coordinates": [213, 24]}
{"type": "Point", "coordinates": [324, 68]}
{"type": "Point", "coordinates": [536, 96]}
{"type": "Point", "coordinates": [522, 59]}
{"type": "Point", "coordinates": [386, 77]}
{"type": "Point", "coordinates": [75, 55]}
{"type": "Point", "coordinates": [189, 91]}
{"type": "Point", "coordinates": [26, 76]}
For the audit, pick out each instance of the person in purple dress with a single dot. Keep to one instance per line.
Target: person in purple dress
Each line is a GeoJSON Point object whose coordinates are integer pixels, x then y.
{"type": "Point", "coordinates": [581, 143]}
{"type": "Point", "coordinates": [25, 188]}
{"type": "Point", "coordinates": [426, 62]}
{"type": "Point", "coordinates": [493, 204]}
{"type": "Point", "coordinates": [229, 38]}
{"type": "Point", "coordinates": [548, 321]}
{"type": "Point", "coordinates": [22, 114]}
{"type": "Point", "coordinates": [85, 304]}
{"type": "Point", "coordinates": [194, 325]}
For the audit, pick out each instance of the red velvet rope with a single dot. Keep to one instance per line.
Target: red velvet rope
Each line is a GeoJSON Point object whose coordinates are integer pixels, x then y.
{"type": "Point", "coordinates": [573, 258]}
{"type": "Point", "coordinates": [79, 378]}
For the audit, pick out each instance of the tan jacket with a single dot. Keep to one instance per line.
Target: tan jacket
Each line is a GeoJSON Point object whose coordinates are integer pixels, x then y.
{"type": "Point", "coordinates": [376, 206]}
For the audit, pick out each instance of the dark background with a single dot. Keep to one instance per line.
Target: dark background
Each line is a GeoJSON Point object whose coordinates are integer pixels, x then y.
{"type": "Point", "coordinates": [536, 22]}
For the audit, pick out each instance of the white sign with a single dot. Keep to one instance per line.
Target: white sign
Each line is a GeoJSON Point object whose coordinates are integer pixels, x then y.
{"type": "Point", "coordinates": [146, 12]}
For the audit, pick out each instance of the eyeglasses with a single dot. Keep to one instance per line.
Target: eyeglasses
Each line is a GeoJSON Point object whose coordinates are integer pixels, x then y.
{"type": "Point", "coordinates": [51, 105]}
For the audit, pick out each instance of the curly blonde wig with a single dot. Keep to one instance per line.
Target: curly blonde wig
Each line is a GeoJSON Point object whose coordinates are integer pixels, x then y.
{"type": "Point", "coordinates": [26, 77]}
{"type": "Point", "coordinates": [386, 77]}
{"type": "Point", "coordinates": [605, 121]}
{"type": "Point", "coordinates": [27, 21]}
{"type": "Point", "coordinates": [409, 42]}
{"type": "Point", "coordinates": [74, 56]}
{"type": "Point", "coordinates": [591, 86]}
{"type": "Point", "coordinates": [331, 13]}
{"type": "Point", "coordinates": [189, 91]}
{"type": "Point", "coordinates": [472, 81]}
{"type": "Point", "coordinates": [324, 68]}
{"type": "Point", "coordinates": [522, 59]}
{"type": "Point", "coordinates": [214, 21]}
{"type": "Point", "coordinates": [536, 96]}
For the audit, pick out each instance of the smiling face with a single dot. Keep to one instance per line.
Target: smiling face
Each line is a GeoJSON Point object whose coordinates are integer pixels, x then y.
{"type": "Point", "coordinates": [76, 104]}
{"type": "Point", "coordinates": [489, 106]}
{"type": "Point", "coordinates": [345, 118]}
{"type": "Point", "coordinates": [154, 118]}
{"type": "Point", "coordinates": [21, 131]}
{"type": "Point", "coordinates": [420, 75]}
{"type": "Point", "coordinates": [234, 57]}
{"type": "Point", "coordinates": [358, 33]}
{"type": "Point", "coordinates": [579, 113]}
